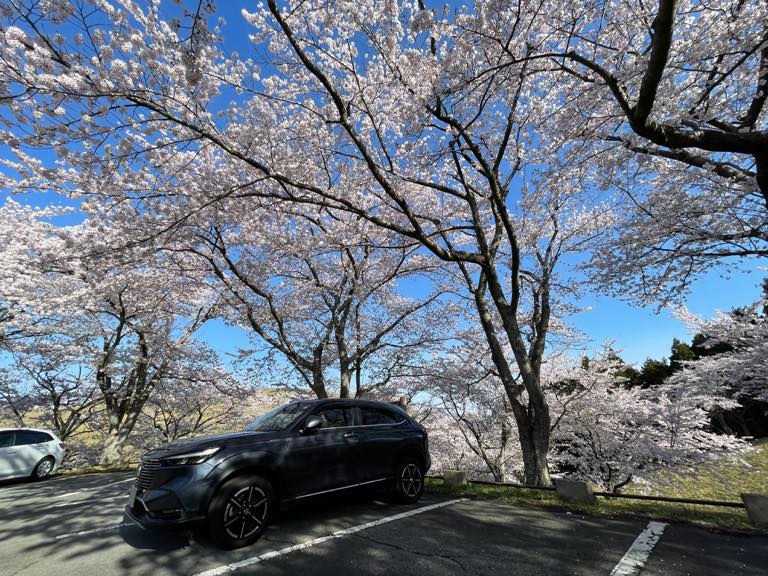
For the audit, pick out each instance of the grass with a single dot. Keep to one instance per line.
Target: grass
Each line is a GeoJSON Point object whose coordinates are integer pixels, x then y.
{"type": "Point", "coordinates": [723, 480]}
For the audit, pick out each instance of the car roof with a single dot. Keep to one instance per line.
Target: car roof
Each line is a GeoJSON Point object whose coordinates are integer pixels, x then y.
{"type": "Point", "coordinates": [28, 430]}
{"type": "Point", "coordinates": [357, 402]}
{"type": "Point", "coordinates": [349, 401]}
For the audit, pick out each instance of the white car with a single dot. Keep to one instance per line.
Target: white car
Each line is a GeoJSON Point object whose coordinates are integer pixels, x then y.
{"type": "Point", "coordinates": [29, 452]}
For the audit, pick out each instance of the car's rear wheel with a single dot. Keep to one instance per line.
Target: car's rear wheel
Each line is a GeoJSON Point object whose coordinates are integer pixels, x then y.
{"type": "Point", "coordinates": [43, 468]}
{"type": "Point", "coordinates": [409, 478]}
{"type": "Point", "coordinates": [240, 512]}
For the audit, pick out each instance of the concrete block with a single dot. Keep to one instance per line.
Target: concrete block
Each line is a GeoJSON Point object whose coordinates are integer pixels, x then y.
{"type": "Point", "coordinates": [757, 508]}
{"type": "Point", "coordinates": [575, 490]}
{"type": "Point", "coordinates": [455, 477]}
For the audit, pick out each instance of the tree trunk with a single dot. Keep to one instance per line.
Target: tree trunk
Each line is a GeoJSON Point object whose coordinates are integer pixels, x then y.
{"type": "Point", "coordinates": [533, 423]}
{"type": "Point", "coordinates": [499, 473]}
{"type": "Point", "coordinates": [534, 443]}
{"type": "Point", "coordinates": [112, 455]}
{"type": "Point", "coordinates": [358, 379]}
{"type": "Point", "coordinates": [719, 418]}
{"type": "Point", "coordinates": [346, 379]}
{"type": "Point", "coordinates": [17, 416]}
{"type": "Point", "coordinates": [114, 446]}
{"type": "Point", "coordinates": [120, 427]}
{"type": "Point", "coordinates": [318, 384]}
{"type": "Point", "coordinates": [318, 380]}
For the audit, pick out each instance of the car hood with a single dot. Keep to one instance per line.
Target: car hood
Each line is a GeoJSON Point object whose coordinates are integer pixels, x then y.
{"type": "Point", "coordinates": [203, 442]}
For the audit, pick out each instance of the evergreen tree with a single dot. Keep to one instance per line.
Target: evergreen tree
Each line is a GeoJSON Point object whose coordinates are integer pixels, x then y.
{"type": "Point", "coordinates": [681, 352]}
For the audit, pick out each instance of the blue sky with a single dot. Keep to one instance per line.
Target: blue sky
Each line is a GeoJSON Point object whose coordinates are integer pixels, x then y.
{"type": "Point", "coordinates": [639, 332]}
{"type": "Point", "coordinates": [643, 333]}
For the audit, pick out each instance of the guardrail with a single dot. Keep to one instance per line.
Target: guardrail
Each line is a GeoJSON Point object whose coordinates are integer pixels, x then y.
{"type": "Point", "coordinates": [613, 494]}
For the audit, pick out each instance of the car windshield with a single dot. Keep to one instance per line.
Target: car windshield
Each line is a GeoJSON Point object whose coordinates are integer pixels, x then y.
{"type": "Point", "coordinates": [278, 419]}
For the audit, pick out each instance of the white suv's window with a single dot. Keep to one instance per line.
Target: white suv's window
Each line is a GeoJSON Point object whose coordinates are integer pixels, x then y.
{"type": "Point", "coordinates": [6, 439]}
{"type": "Point", "coordinates": [24, 437]}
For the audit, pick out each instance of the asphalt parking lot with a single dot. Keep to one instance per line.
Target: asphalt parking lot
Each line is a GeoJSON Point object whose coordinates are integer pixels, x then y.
{"type": "Point", "coordinates": [75, 525]}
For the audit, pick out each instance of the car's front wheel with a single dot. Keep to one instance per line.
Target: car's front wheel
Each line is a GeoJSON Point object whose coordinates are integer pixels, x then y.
{"type": "Point", "coordinates": [240, 511]}
{"type": "Point", "coordinates": [44, 468]}
{"type": "Point", "coordinates": [409, 479]}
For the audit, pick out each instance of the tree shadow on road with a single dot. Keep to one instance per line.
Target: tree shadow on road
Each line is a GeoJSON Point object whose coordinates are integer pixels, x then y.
{"type": "Point", "coordinates": [476, 537]}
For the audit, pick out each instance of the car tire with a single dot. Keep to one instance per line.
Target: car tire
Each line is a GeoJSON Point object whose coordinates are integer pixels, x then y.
{"type": "Point", "coordinates": [44, 468]}
{"type": "Point", "coordinates": [240, 512]}
{"type": "Point", "coordinates": [409, 481]}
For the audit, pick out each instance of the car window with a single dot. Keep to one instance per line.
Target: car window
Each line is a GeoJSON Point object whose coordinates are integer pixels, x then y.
{"type": "Point", "coordinates": [373, 416]}
{"type": "Point", "coordinates": [24, 437]}
{"type": "Point", "coordinates": [278, 419]}
{"type": "Point", "coordinates": [6, 439]}
{"type": "Point", "coordinates": [45, 437]}
{"type": "Point", "coordinates": [336, 417]}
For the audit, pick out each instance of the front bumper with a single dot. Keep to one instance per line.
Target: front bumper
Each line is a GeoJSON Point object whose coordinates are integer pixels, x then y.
{"type": "Point", "coordinates": [169, 497]}
{"type": "Point", "coordinates": [160, 509]}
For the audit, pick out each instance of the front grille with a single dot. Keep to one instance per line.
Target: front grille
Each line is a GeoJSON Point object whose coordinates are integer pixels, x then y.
{"type": "Point", "coordinates": [147, 470]}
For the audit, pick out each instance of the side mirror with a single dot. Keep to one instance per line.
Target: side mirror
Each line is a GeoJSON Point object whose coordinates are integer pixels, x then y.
{"type": "Point", "coordinates": [312, 423]}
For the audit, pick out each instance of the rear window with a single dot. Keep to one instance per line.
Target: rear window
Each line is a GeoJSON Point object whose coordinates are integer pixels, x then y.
{"type": "Point", "coordinates": [6, 439]}
{"type": "Point", "coordinates": [374, 416]}
{"type": "Point", "coordinates": [24, 437]}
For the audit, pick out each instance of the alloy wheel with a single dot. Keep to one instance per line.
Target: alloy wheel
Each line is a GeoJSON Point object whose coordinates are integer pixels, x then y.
{"type": "Point", "coordinates": [411, 480]}
{"type": "Point", "coordinates": [44, 468]}
{"type": "Point", "coordinates": [246, 512]}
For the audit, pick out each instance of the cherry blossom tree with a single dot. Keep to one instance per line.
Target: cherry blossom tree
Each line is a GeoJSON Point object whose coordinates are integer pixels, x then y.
{"type": "Point", "coordinates": [127, 320]}
{"type": "Point", "coordinates": [15, 403]}
{"type": "Point", "coordinates": [667, 102]}
{"type": "Point", "coordinates": [739, 371]}
{"type": "Point", "coordinates": [5, 317]}
{"type": "Point", "coordinates": [475, 133]}
{"type": "Point", "coordinates": [448, 447]}
{"type": "Point", "coordinates": [200, 399]}
{"type": "Point", "coordinates": [416, 124]}
{"type": "Point", "coordinates": [467, 391]}
{"type": "Point", "coordinates": [612, 435]}
{"type": "Point", "coordinates": [62, 388]}
{"type": "Point", "coordinates": [320, 292]}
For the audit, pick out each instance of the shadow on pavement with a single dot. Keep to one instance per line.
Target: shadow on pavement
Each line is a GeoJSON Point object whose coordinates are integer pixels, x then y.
{"type": "Point", "coordinates": [89, 535]}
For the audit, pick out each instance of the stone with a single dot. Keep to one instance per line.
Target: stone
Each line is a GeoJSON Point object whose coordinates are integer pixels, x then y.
{"type": "Point", "coordinates": [455, 478]}
{"type": "Point", "coordinates": [757, 508]}
{"type": "Point", "coordinates": [575, 490]}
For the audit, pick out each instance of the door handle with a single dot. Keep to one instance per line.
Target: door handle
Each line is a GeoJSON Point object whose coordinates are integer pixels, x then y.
{"type": "Point", "coordinates": [350, 435]}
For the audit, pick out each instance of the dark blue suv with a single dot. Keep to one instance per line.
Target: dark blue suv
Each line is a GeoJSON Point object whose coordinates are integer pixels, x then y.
{"type": "Point", "coordinates": [234, 482]}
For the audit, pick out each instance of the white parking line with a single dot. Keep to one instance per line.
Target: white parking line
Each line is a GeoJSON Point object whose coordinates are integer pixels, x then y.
{"type": "Point", "coordinates": [633, 561]}
{"type": "Point", "coordinates": [93, 531]}
{"type": "Point", "coordinates": [86, 501]}
{"type": "Point", "coordinates": [338, 534]}
{"type": "Point", "coordinates": [67, 494]}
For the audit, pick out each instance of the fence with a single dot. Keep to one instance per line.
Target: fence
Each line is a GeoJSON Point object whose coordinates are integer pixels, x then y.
{"type": "Point", "coordinates": [613, 494]}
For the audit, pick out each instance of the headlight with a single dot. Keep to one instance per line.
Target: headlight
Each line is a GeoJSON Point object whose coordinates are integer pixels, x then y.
{"type": "Point", "coordinates": [191, 457]}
